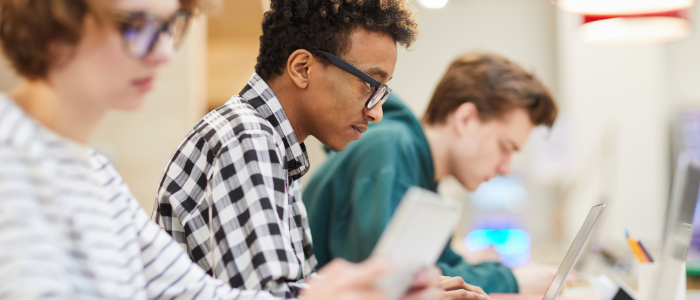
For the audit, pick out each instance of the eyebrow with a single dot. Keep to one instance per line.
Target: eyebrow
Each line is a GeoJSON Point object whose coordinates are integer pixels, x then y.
{"type": "Point", "coordinates": [516, 148]}
{"type": "Point", "coordinates": [378, 72]}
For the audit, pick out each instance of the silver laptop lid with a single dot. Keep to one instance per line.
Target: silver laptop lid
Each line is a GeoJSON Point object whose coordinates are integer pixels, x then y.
{"type": "Point", "coordinates": [581, 238]}
{"type": "Point", "coordinates": [678, 230]}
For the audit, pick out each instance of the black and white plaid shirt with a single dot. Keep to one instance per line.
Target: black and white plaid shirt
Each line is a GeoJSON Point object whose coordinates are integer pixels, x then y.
{"type": "Point", "coordinates": [245, 158]}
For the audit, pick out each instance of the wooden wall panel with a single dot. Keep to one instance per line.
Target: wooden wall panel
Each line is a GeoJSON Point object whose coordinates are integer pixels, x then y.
{"type": "Point", "coordinates": [233, 44]}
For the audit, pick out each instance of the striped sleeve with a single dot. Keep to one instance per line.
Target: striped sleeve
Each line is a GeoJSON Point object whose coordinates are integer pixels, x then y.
{"type": "Point", "coordinates": [32, 260]}
{"type": "Point", "coordinates": [170, 273]}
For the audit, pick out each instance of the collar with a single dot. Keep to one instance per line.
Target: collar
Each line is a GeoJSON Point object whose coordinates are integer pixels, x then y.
{"type": "Point", "coordinates": [259, 95]}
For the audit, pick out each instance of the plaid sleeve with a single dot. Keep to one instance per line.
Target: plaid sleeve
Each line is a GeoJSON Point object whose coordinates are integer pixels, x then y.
{"type": "Point", "coordinates": [246, 181]}
{"type": "Point", "coordinates": [181, 201]}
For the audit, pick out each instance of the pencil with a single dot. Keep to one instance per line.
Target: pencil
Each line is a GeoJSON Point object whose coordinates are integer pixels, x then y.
{"type": "Point", "coordinates": [635, 249]}
{"type": "Point", "coordinates": [651, 260]}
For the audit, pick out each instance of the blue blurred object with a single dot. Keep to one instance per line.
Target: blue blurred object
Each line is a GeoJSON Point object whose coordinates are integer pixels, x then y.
{"type": "Point", "coordinates": [512, 241]}
{"type": "Point", "coordinates": [501, 194]}
{"type": "Point", "coordinates": [478, 240]}
{"type": "Point", "coordinates": [515, 260]}
{"type": "Point", "coordinates": [512, 244]}
{"type": "Point", "coordinates": [501, 199]}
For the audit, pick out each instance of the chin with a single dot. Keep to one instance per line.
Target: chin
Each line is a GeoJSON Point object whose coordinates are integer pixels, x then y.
{"type": "Point", "coordinates": [472, 186]}
{"type": "Point", "coordinates": [338, 147]}
{"type": "Point", "coordinates": [335, 145]}
{"type": "Point", "coordinates": [131, 104]}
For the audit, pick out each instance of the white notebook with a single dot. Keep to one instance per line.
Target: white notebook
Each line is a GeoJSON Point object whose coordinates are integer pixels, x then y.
{"type": "Point", "coordinates": [415, 237]}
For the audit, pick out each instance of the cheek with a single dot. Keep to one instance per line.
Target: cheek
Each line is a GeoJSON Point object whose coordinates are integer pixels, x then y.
{"type": "Point", "coordinates": [114, 58]}
{"type": "Point", "coordinates": [118, 69]}
{"type": "Point", "coordinates": [345, 106]}
{"type": "Point", "coordinates": [481, 156]}
{"type": "Point", "coordinates": [489, 149]}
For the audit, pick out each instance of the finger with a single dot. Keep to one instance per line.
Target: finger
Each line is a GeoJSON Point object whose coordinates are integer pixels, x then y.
{"type": "Point", "coordinates": [457, 283]}
{"type": "Point", "coordinates": [424, 294]}
{"type": "Point", "coordinates": [463, 295]}
{"type": "Point", "coordinates": [475, 289]}
{"type": "Point", "coordinates": [452, 283]}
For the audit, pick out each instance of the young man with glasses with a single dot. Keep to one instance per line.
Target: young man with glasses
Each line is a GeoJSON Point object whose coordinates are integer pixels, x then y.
{"type": "Point", "coordinates": [231, 194]}
{"type": "Point", "coordinates": [482, 112]}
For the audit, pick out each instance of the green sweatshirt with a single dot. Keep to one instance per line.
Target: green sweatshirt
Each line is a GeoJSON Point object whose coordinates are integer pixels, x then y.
{"type": "Point", "coordinates": [352, 196]}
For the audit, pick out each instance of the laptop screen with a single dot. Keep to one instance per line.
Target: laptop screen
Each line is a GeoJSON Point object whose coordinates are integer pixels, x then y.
{"type": "Point", "coordinates": [583, 234]}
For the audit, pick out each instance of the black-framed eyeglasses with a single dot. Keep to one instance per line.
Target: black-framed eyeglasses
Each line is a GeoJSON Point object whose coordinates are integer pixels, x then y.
{"type": "Point", "coordinates": [380, 91]}
{"type": "Point", "coordinates": [141, 31]}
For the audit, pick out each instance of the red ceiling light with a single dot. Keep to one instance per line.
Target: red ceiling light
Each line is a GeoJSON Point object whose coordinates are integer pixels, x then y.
{"type": "Point", "coordinates": [622, 7]}
{"type": "Point", "coordinates": [635, 29]}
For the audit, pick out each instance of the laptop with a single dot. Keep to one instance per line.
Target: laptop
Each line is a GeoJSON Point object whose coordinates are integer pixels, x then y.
{"type": "Point", "coordinates": [567, 265]}
{"type": "Point", "coordinates": [678, 229]}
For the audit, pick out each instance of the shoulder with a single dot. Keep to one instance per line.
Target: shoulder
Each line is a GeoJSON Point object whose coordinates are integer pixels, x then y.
{"type": "Point", "coordinates": [28, 152]}
{"type": "Point", "coordinates": [379, 149]}
{"type": "Point", "coordinates": [221, 139]}
{"type": "Point", "coordinates": [101, 165]}
{"type": "Point", "coordinates": [396, 131]}
{"type": "Point", "coordinates": [231, 123]}
{"type": "Point", "coordinates": [111, 182]}
{"type": "Point", "coordinates": [385, 140]}
{"type": "Point", "coordinates": [19, 134]}
{"type": "Point", "coordinates": [231, 120]}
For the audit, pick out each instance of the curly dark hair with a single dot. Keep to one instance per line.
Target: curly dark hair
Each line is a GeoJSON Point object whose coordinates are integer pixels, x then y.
{"type": "Point", "coordinates": [28, 26]}
{"type": "Point", "coordinates": [290, 25]}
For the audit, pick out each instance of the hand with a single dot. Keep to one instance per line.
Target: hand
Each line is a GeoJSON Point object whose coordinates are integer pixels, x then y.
{"type": "Point", "coordinates": [454, 288]}
{"type": "Point", "coordinates": [341, 280]}
{"type": "Point", "coordinates": [425, 285]}
{"type": "Point", "coordinates": [534, 278]}
{"type": "Point", "coordinates": [428, 284]}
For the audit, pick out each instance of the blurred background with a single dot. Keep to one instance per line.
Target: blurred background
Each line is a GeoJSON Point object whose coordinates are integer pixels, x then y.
{"type": "Point", "coordinates": [626, 112]}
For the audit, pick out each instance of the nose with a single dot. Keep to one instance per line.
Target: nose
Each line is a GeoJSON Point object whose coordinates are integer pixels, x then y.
{"type": "Point", "coordinates": [162, 52]}
{"type": "Point", "coordinates": [504, 167]}
{"type": "Point", "coordinates": [375, 114]}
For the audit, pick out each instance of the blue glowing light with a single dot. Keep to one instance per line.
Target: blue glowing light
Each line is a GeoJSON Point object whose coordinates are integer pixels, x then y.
{"type": "Point", "coordinates": [504, 241]}
{"type": "Point", "coordinates": [514, 241]}
{"type": "Point", "coordinates": [515, 260]}
{"type": "Point", "coordinates": [478, 240]}
{"type": "Point", "coordinates": [512, 244]}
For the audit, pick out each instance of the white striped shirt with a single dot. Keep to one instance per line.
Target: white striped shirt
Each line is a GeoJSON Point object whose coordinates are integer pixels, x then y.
{"type": "Point", "coordinates": [71, 229]}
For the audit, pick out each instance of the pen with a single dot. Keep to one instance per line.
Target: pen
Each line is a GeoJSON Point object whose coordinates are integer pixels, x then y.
{"type": "Point", "coordinates": [635, 247]}
{"type": "Point", "coordinates": [645, 252]}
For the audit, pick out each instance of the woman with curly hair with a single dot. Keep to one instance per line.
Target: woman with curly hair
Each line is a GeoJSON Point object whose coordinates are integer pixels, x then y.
{"type": "Point", "coordinates": [69, 226]}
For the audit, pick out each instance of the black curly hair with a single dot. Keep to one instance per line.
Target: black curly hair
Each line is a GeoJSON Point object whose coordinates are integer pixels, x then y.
{"type": "Point", "coordinates": [290, 25]}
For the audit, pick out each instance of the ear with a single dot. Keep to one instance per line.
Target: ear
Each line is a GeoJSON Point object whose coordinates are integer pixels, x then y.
{"type": "Point", "coordinates": [61, 52]}
{"type": "Point", "coordinates": [463, 117]}
{"type": "Point", "coordinates": [298, 65]}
